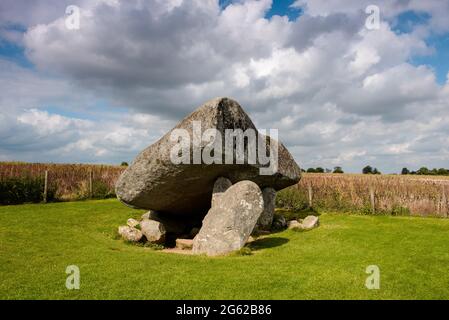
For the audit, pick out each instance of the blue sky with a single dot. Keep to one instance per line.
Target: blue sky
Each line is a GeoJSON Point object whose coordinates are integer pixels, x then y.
{"type": "Point", "coordinates": [319, 76]}
{"type": "Point", "coordinates": [437, 60]}
{"type": "Point", "coordinates": [284, 8]}
{"type": "Point", "coordinates": [14, 51]}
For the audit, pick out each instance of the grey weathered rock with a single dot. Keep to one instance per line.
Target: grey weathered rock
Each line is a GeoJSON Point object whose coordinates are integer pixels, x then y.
{"type": "Point", "coordinates": [184, 244]}
{"type": "Point", "coordinates": [146, 215]}
{"type": "Point", "coordinates": [310, 222]}
{"type": "Point", "coordinates": [228, 225]}
{"type": "Point", "coordinates": [220, 186]}
{"type": "Point", "coordinates": [294, 224]}
{"type": "Point", "coordinates": [154, 182]}
{"type": "Point", "coordinates": [172, 224]}
{"type": "Point", "coordinates": [153, 230]}
{"type": "Point", "coordinates": [279, 222]}
{"type": "Point", "coordinates": [129, 233]}
{"type": "Point", "coordinates": [266, 218]}
{"type": "Point", "coordinates": [132, 222]}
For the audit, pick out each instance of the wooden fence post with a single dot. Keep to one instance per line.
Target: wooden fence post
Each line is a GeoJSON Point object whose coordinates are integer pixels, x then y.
{"type": "Point", "coordinates": [444, 207]}
{"type": "Point", "coordinates": [309, 187]}
{"type": "Point", "coordinates": [372, 200]}
{"type": "Point", "coordinates": [45, 186]}
{"type": "Point", "coordinates": [90, 184]}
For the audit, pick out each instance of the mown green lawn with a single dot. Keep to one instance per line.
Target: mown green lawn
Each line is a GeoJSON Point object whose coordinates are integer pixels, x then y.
{"type": "Point", "coordinates": [38, 242]}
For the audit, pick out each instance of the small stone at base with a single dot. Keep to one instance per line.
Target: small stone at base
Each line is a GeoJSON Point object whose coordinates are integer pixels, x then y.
{"type": "Point", "coordinates": [184, 244]}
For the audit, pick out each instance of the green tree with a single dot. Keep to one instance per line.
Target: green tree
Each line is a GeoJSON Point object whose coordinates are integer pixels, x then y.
{"type": "Point", "coordinates": [319, 170]}
{"type": "Point", "coordinates": [311, 170]}
{"type": "Point", "coordinates": [405, 171]}
{"type": "Point", "coordinates": [338, 170]}
{"type": "Point", "coordinates": [375, 171]}
{"type": "Point", "coordinates": [367, 170]}
{"type": "Point", "coordinates": [423, 171]}
{"type": "Point", "coordinates": [124, 164]}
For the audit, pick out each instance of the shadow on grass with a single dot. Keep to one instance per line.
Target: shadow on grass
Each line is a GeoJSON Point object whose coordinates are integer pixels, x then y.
{"type": "Point", "coordinates": [266, 243]}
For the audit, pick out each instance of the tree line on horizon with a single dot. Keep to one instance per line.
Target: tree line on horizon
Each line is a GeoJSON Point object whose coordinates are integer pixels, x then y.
{"type": "Point", "coordinates": [323, 170]}
{"type": "Point", "coordinates": [372, 170]}
{"type": "Point", "coordinates": [427, 172]}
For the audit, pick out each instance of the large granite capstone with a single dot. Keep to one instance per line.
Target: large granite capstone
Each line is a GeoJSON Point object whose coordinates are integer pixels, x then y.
{"type": "Point", "coordinates": [154, 182]}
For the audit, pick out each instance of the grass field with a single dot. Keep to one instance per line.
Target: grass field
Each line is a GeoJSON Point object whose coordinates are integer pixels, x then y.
{"type": "Point", "coordinates": [38, 242]}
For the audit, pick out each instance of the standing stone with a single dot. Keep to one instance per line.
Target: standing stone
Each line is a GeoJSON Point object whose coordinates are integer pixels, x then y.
{"type": "Point", "coordinates": [220, 186]}
{"type": "Point", "coordinates": [229, 223]}
{"type": "Point", "coordinates": [266, 218]}
{"type": "Point", "coordinates": [130, 234]}
{"type": "Point", "coordinates": [153, 230]}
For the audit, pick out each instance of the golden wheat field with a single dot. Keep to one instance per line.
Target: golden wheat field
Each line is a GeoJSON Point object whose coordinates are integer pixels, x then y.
{"type": "Point", "coordinates": [397, 194]}
{"type": "Point", "coordinates": [370, 194]}
{"type": "Point", "coordinates": [70, 181]}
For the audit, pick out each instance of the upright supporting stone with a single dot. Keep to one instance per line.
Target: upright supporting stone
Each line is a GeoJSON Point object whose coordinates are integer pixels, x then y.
{"type": "Point", "coordinates": [229, 223]}
{"type": "Point", "coordinates": [266, 218]}
{"type": "Point", "coordinates": [220, 186]}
